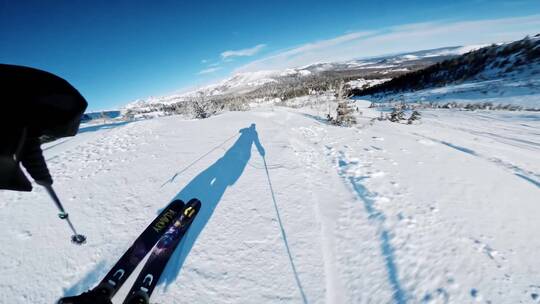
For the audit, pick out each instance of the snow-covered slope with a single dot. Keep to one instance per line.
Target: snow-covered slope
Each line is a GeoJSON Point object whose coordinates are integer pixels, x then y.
{"type": "Point", "coordinates": [516, 93]}
{"type": "Point", "coordinates": [441, 212]}
{"type": "Point", "coordinates": [498, 74]}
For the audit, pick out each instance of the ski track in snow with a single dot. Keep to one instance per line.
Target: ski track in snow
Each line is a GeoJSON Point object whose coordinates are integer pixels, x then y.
{"type": "Point", "coordinates": [294, 210]}
{"type": "Point", "coordinates": [378, 218]}
{"type": "Point", "coordinates": [534, 147]}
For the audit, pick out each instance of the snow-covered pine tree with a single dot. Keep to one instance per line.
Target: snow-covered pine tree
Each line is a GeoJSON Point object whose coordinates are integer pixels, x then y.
{"type": "Point", "coordinates": [345, 111]}
{"type": "Point", "coordinates": [414, 116]}
{"type": "Point", "coordinates": [345, 115]}
{"type": "Point", "coordinates": [397, 114]}
{"type": "Point", "coordinates": [201, 106]}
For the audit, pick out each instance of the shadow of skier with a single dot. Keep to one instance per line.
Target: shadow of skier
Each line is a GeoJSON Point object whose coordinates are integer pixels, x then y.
{"type": "Point", "coordinates": [209, 186]}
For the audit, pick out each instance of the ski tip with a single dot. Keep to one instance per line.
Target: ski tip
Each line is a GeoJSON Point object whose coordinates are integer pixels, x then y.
{"type": "Point", "coordinates": [194, 202]}
{"type": "Point", "coordinates": [177, 201]}
{"type": "Point", "coordinates": [192, 208]}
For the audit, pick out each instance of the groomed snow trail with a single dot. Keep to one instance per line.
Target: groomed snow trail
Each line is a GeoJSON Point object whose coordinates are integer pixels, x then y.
{"type": "Point", "coordinates": [441, 212]}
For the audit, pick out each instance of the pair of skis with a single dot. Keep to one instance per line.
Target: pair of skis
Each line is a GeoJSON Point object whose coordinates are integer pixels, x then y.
{"type": "Point", "coordinates": [166, 230]}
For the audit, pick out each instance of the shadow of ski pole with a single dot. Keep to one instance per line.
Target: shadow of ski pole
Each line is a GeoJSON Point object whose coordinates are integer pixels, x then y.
{"type": "Point", "coordinates": [284, 234]}
{"type": "Point", "coordinates": [209, 187]}
{"type": "Point", "coordinates": [170, 180]}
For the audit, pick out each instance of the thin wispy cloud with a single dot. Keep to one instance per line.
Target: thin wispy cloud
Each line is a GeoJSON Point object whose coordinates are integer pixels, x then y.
{"type": "Point", "coordinates": [209, 70]}
{"type": "Point", "coordinates": [403, 38]}
{"type": "Point", "coordinates": [243, 52]}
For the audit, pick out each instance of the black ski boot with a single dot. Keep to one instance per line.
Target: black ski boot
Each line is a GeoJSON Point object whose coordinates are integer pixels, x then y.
{"type": "Point", "coordinates": [94, 296]}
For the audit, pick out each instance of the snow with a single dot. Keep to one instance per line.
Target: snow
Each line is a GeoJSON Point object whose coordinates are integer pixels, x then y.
{"type": "Point", "coordinates": [366, 83]}
{"type": "Point", "coordinates": [494, 85]}
{"type": "Point", "coordinates": [294, 210]}
{"type": "Point", "coordinates": [522, 91]}
{"type": "Point", "coordinates": [453, 50]}
{"type": "Point", "coordinates": [410, 57]}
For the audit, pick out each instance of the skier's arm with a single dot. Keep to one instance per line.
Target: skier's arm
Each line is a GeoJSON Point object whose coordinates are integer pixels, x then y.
{"type": "Point", "coordinates": [38, 103]}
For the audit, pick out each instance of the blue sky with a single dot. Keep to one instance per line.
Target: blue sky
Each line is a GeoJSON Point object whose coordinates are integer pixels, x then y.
{"type": "Point", "coordinates": [117, 51]}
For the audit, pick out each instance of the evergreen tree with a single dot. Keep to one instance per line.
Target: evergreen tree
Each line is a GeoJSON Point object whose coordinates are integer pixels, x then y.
{"type": "Point", "coordinates": [397, 114]}
{"type": "Point", "coordinates": [414, 116]}
{"type": "Point", "coordinates": [345, 114]}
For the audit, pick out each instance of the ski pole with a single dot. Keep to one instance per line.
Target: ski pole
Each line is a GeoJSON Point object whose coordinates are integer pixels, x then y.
{"type": "Point", "coordinates": [75, 238]}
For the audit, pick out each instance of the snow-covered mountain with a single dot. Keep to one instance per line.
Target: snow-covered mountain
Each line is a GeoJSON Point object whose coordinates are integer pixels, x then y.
{"type": "Point", "coordinates": [498, 73]}
{"type": "Point", "coordinates": [250, 80]}
{"type": "Point", "coordinates": [245, 82]}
